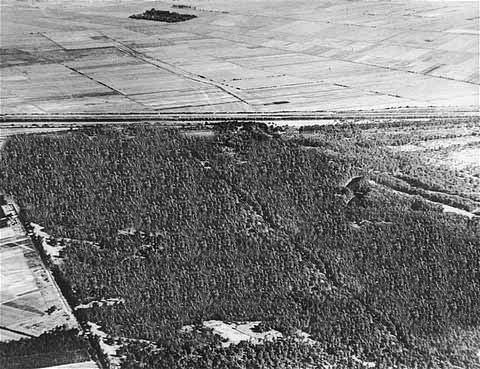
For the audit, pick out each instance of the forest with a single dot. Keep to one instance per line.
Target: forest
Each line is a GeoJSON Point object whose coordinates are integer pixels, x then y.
{"type": "Point", "coordinates": [57, 347]}
{"type": "Point", "coordinates": [251, 225]}
{"type": "Point", "coordinates": [412, 172]}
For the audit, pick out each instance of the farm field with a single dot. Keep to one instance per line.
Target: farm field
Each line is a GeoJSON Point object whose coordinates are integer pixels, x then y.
{"type": "Point", "coordinates": [37, 327]}
{"type": "Point", "coordinates": [30, 303]}
{"type": "Point", "coordinates": [285, 55]}
{"type": "Point", "coordinates": [214, 250]}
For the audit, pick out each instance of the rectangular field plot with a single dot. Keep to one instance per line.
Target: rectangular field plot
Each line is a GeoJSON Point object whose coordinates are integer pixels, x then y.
{"type": "Point", "coordinates": [30, 302]}
{"type": "Point", "coordinates": [47, 87]}
{"type": "Point", "coordinates": [182, 98]}
{"type": "Point", "coordinates": [88, 56]}
{"type": "Point", "coordinates": [88, 39]}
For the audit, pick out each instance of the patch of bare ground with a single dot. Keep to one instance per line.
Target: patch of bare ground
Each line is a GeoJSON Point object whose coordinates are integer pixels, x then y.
{"type": "Point", "coordinates": [107, 345]}
{"type": "Point", "coordinates": [103, 302]}
{"type": "Point", "coordinates": [467, 158]}
{"type": "Point", "coordinates": [234, 333]}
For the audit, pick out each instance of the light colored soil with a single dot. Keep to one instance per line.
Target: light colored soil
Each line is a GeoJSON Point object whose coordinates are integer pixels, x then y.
{"type": "Point", "coordinates": [235, 333]}
{"type": "Point", "coordinates": [109, 350]}
{"type": "Point", "coordinates": [52, 251]}
{"type": "Point", "coordinates": [104, 302]}
{"type": "Point", "coordinates": [465, 158]}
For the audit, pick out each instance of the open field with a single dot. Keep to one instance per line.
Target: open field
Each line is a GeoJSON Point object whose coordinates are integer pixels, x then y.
{"type": "Point", "coordinates": [88, 56]}
{"type": "Point", "coordinates": [30, 303]}
{"type": "Point", "coordinates": [37, 326]}
{"type": "Point", "coordinates": [234, 333]}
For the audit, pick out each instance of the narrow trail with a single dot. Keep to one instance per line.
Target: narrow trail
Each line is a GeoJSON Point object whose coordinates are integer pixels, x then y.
{"type": "Point", "coordinates": [17, 332]}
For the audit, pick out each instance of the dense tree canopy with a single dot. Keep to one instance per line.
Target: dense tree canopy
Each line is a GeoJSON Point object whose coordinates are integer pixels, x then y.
{"type": "Point", "coordinates": [57, 347]}
{"type": "Point", "coordinates": [245, 226]}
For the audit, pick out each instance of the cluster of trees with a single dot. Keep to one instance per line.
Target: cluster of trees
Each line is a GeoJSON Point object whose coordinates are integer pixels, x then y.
{"type": "Point", "coordinates": [281, 353]}
{"type": "Point", "coordinates": [163, 16]}
{"type": "Point", "coordinates": [57, 347]}
{"type": "Point", "coordinates": [249, 226]}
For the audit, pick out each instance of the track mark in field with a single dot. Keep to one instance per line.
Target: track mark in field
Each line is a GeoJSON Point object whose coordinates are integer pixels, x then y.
{"type": "Point", "coordinates": [175, 70]}
{"type": "Point", "coordinates": [117, 92]}
{"type": "Point", "coordinates": [52, 41]}
{"type": "Point", "coordinates": [434, 68]}
{"type": "Point", "coordinates": [17, 332]}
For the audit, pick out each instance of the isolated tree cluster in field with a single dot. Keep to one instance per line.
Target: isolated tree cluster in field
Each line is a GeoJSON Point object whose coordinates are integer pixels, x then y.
{"type": "Point", "coordinates": [163, 16]}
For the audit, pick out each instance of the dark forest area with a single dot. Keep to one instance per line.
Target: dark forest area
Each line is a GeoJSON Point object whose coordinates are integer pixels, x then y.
{"type": "Point", "coordinates": [251, 225]}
